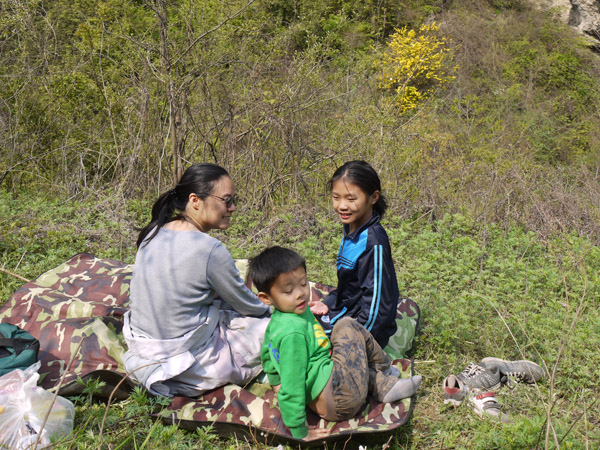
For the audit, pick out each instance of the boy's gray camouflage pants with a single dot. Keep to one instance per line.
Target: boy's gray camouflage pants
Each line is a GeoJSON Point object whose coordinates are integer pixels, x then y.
{"type": "Point", "coordinates": [358, 362]}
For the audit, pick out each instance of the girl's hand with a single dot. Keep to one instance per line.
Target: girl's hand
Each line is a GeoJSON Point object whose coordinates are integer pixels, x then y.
{"type": "Point", "coordinates": [317, 433]}
{"type": "Point", "coordinates": [318, 308]}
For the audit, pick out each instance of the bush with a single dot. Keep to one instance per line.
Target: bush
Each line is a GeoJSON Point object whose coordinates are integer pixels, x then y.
{"type": "Point", "coordinates": [414, 63]}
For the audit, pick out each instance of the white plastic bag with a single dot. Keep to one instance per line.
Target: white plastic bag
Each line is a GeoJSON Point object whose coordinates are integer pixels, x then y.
{"type": "Point", "coordinates": [23, 407]}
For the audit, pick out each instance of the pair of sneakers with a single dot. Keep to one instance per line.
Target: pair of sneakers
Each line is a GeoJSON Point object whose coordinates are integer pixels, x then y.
{"type": "Point", "coordinates": [478, 382]}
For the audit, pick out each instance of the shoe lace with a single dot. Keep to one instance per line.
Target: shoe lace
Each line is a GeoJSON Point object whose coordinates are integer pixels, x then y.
{"type": "Point", "coordinates": [519, 376]}
{"type": "Point", "coordinates": [472, 370]}
{"type": "Point", "coordinates": [509, 381]}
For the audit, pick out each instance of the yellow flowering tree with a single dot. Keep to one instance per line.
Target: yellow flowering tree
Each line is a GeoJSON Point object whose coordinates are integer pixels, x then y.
{"type": "Point", "coordinates": [414, 63]}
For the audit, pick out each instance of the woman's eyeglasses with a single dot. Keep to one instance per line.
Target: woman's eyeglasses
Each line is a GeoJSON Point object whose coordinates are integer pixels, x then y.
{"type": "Point", "coordinates": [229, 201]}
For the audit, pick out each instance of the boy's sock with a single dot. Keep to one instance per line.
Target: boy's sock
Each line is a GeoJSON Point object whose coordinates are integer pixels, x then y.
{"type": "Point", "coordinates": [402, 389]}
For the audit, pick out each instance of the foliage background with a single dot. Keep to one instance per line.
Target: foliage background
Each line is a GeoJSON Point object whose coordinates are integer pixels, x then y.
{"type": "Point", "coordinates": [109, 95]}
{"type": "Point", "coordinates": [492, 180]}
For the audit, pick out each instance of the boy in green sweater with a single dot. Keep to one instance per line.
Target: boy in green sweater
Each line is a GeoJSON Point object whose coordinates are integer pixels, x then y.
{"type": "Point", "coordinates": [333, 377]}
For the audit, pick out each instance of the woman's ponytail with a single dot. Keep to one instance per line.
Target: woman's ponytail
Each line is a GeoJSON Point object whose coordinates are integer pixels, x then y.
{"type": "Point", "coordinates": [162, 211]}
{"type": "Point", "coordinates": [198, 179]}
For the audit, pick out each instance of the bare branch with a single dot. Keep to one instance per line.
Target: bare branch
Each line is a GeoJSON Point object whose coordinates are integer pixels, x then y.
{"type": "Point", "coordinates": [212, 30]}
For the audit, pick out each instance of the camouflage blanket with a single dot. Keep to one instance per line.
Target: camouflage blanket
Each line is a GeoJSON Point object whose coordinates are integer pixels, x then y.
{"type": "Point", "coordinates": [76, 311]}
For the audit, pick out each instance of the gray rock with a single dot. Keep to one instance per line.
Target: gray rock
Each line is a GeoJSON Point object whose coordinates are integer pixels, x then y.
{"type": "Point", "coordinates": [584, 15]}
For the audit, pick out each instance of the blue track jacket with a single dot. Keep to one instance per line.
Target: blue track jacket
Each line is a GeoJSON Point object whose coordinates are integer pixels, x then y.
{"type": "Point", "coordinates": [367, 287]}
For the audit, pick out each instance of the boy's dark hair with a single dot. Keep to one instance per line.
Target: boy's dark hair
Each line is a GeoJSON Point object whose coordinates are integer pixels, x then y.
{"type": "Point", "coordinates": [272, 262]}
{"type": "Point", "coordinates": [364, 176]}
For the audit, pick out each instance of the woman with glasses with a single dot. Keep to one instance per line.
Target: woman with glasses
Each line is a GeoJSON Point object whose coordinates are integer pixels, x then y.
{"type": "Point", "coordinates": [193, 325]}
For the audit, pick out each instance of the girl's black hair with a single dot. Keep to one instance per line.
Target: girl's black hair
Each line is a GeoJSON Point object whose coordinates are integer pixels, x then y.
{"type": "Point", "coordinates": [198, 179]}
{"type": "Point", "coordinates": [364, 176]}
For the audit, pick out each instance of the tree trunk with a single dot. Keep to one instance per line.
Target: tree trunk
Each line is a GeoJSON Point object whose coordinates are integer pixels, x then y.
{"type": "Point", "coordinates": [174, 103]}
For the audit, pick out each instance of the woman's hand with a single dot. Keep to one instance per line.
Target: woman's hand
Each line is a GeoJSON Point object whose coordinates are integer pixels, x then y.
{"type": "Point", "coordinates": [318, 308]}
{"type": "Point", "coordinates": [316, 433]}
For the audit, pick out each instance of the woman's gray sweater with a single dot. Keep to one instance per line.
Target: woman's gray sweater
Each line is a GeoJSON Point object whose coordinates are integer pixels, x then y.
{"type": "Point", "coordinates": [175, 280]}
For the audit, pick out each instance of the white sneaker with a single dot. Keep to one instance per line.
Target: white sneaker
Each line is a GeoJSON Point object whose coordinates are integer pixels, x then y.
{"type": "Point", "coordinates": [485, 403]}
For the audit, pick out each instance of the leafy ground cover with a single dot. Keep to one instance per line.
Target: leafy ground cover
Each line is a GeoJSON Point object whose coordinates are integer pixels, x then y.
{"type": "Point", "coordinates": [484, 290]}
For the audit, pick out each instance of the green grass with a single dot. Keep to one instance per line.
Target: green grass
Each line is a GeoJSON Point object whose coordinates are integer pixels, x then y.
{"type": "Point", "coordinates": [483, 291]}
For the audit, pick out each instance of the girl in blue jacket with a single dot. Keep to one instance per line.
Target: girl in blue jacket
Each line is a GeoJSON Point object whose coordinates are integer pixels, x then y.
{"type": "Point", "coordinates": [367, 287]}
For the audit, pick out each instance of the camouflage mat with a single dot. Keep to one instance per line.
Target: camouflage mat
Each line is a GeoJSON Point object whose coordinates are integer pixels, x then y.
{"type": "Point", "coordinates": [76, 311]}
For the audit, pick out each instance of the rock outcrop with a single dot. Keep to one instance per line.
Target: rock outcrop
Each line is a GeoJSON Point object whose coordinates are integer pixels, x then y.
{"type": "Point", "coordinates": [584, 15]}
